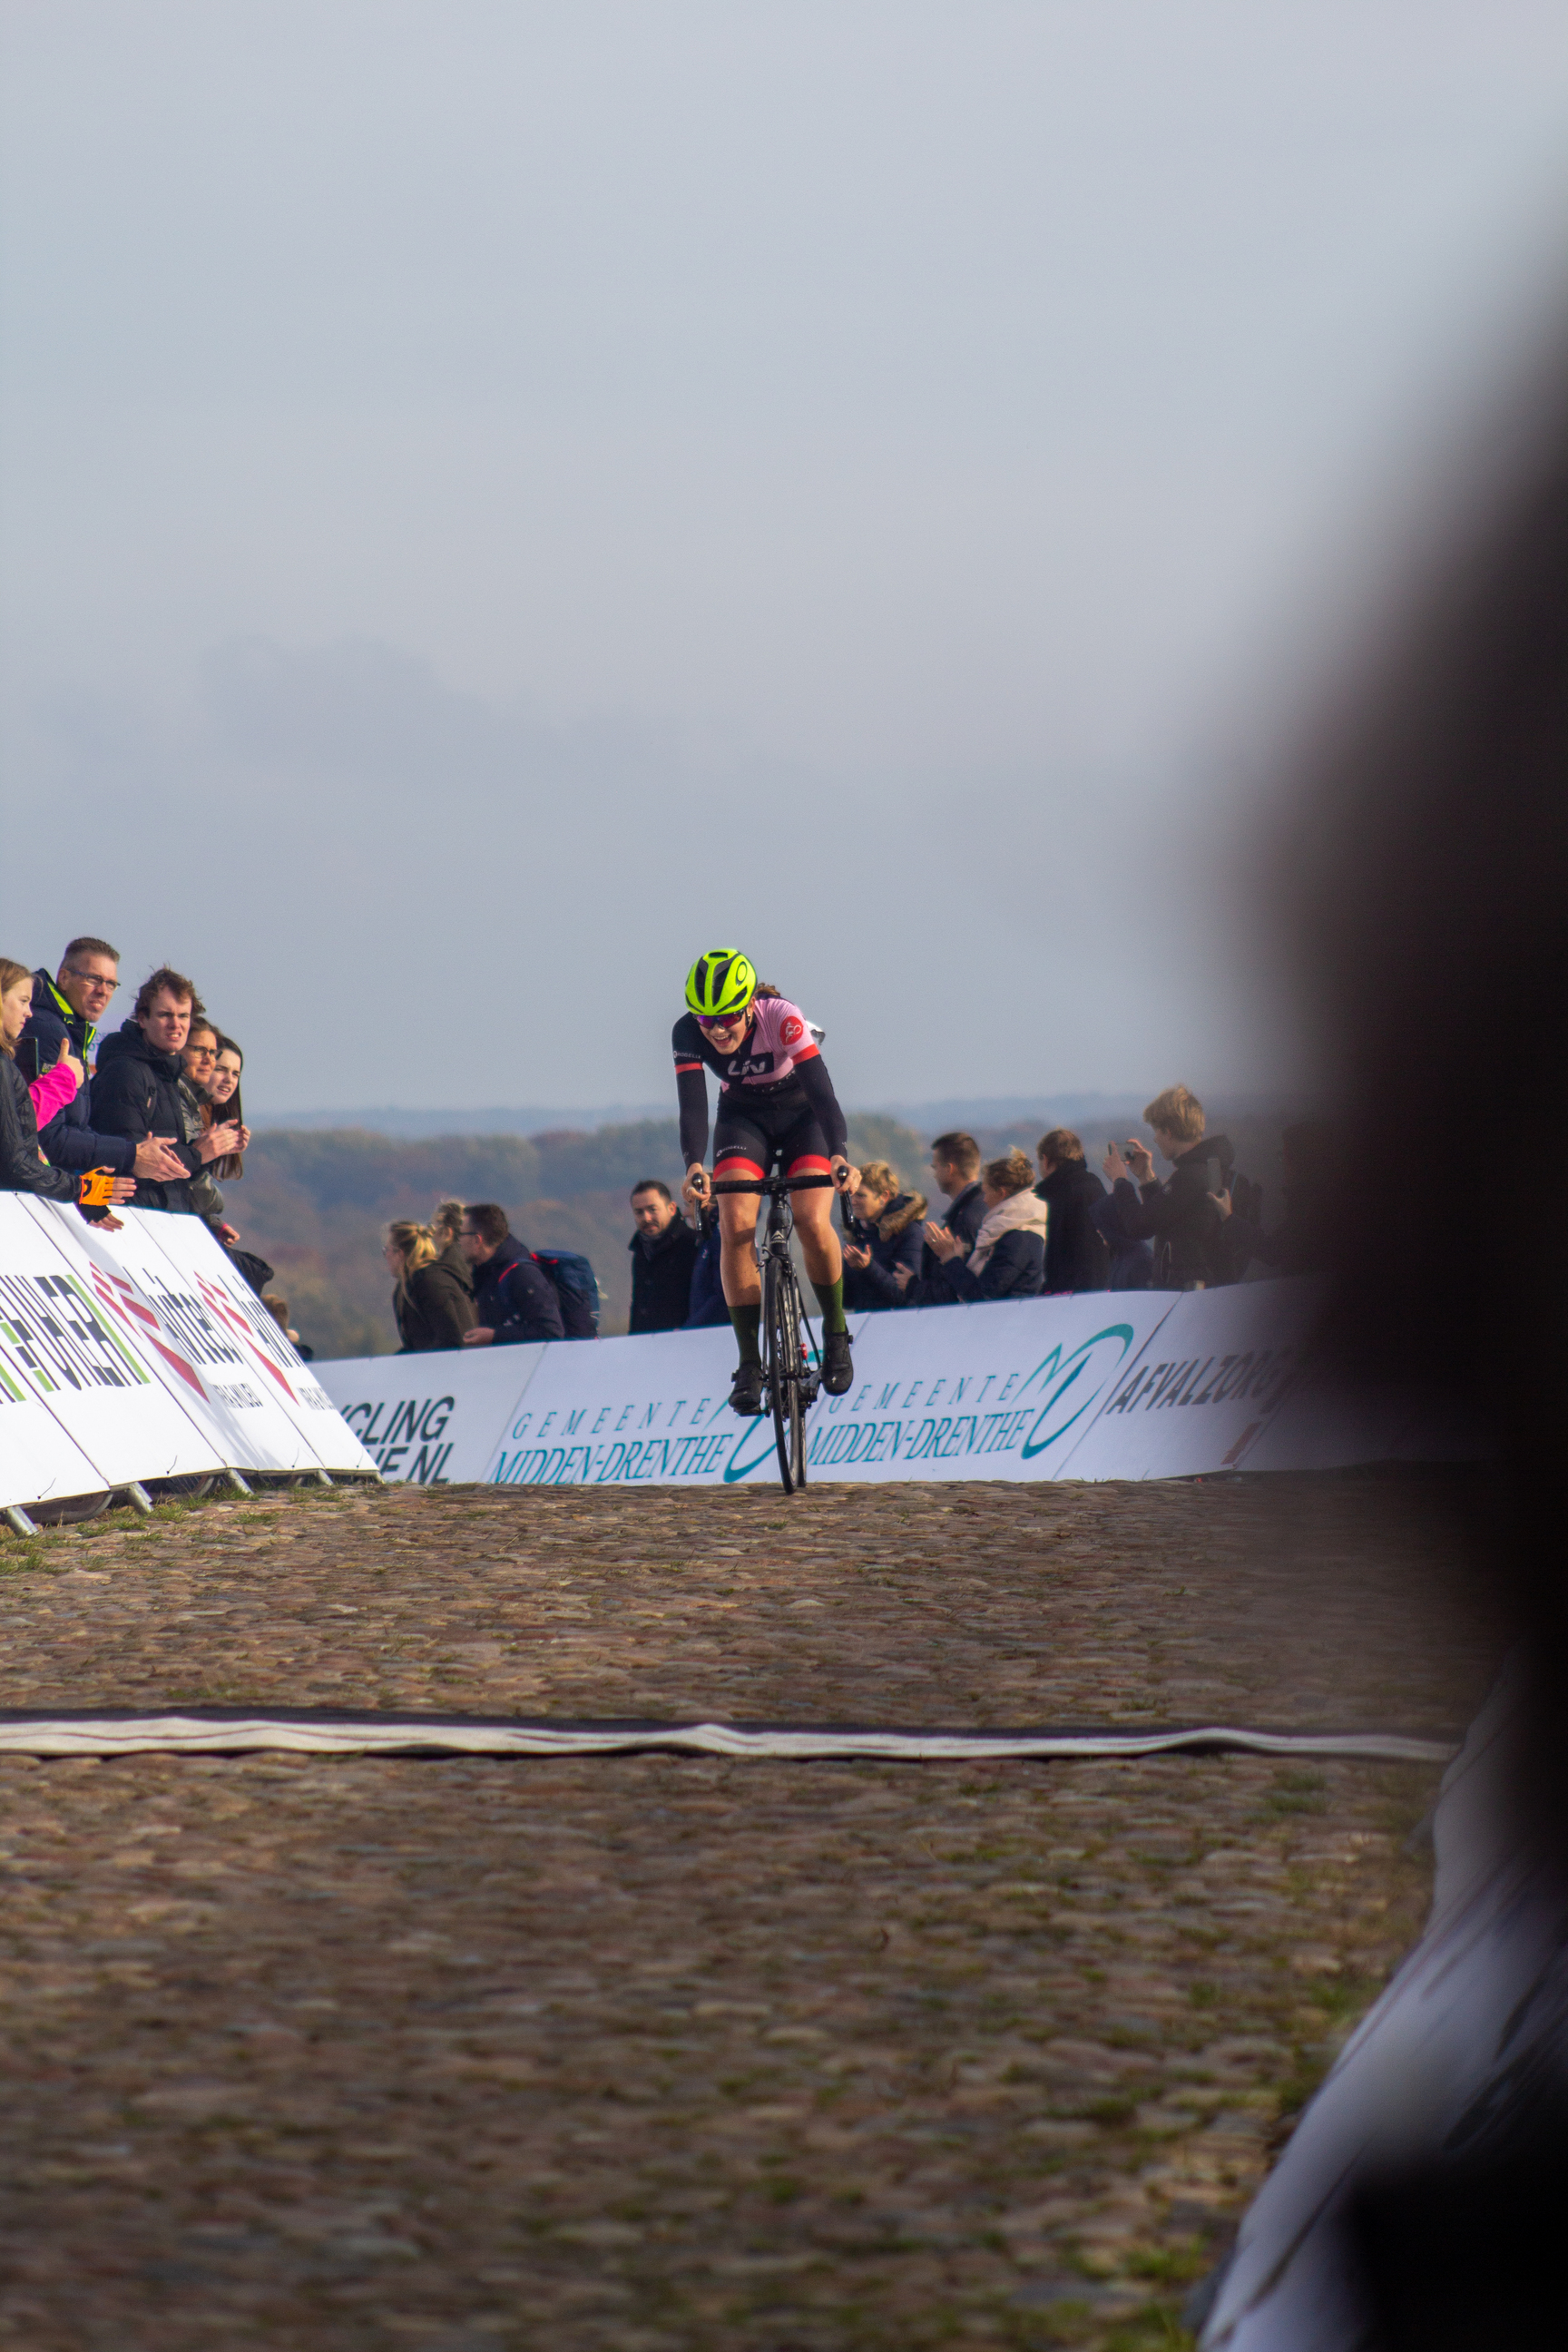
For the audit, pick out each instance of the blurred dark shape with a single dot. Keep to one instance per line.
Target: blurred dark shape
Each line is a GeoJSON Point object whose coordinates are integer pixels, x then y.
{"type": "Point", "coordinates": [1429, 881]}
{"type": "Point", "coordinates": [1314, 1173]}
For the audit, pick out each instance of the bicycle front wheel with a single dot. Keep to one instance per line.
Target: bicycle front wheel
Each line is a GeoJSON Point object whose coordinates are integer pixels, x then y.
{"type": "Point", "coordinates": [787, 1367]}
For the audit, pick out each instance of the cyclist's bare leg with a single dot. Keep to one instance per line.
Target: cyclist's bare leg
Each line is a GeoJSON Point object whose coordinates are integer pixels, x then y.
{"type": "Point", "coordinates": [819, 1241]}
{"type": "Point", "coordinates": [738, 1268]}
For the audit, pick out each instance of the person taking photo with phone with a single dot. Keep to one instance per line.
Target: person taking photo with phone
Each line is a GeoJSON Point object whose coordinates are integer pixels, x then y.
{"type": "Point", "coordinates": [1186, 1215]}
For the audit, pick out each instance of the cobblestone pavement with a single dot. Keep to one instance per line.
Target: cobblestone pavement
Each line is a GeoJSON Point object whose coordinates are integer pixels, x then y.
{"type": "Point", "coordinates": [616, 2056]}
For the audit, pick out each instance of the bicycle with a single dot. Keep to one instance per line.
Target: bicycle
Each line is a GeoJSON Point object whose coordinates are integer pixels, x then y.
{"type": "Point", "coordinates": [791, 1379]}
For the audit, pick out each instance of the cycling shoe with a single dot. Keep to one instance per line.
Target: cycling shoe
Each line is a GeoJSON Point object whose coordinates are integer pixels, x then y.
{"type": "Point", "coordinates": [838, 1372]}
{"type": "Point", "coordinates": [746, 1395]}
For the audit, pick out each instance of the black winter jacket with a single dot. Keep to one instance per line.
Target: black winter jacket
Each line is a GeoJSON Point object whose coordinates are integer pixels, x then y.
{"type": "Point", "coordinates": [1131, 1259]}
{"type": "Point", "coordinates": [931, 1287]}
{"type": "Point", "coordinates": [709, 1311]}
{"type": "Point", "coordinates": [434, 1306]}
{"type": "Point", "coordinates": [1015, 1269]}
{"type": "Point", "coordinates": [894, 1239]}
{"type": "Point", "coordinates": [1077, 1257]}
{"type": "Point", "coordinates": [661, 1278]}
{"type": "Point", "coordinates": [135, 1093]}
{"type": "Point", "coordinates": [69, 1139]}
{"type": "Point", "coordinates": [1184, 1220]}
{"type": "Point", "coordinates": [515, 1298]}
{"type": "Point", "coordinates": [21, 1168]}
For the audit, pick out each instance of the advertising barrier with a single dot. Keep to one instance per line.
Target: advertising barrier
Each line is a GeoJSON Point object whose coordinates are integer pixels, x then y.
{"type": "Point", "coordinates": [1134, 1385]}
{"type": "Point", "coordinates": [143, 1355]}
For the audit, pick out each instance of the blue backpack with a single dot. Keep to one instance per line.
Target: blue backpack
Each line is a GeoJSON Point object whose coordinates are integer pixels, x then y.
{"type": "Point", "coordinates": [576, 1287]}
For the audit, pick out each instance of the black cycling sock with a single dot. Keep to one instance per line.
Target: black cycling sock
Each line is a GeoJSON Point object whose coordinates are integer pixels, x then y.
{"type": "Point", "coordinates": [830, 1298]}
{"type": "Point", "coordinates": [748, 1323]}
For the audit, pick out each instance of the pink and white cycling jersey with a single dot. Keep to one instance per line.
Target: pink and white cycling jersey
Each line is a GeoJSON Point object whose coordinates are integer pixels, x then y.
{"type": "Point", "coordinates": [779, 1039]}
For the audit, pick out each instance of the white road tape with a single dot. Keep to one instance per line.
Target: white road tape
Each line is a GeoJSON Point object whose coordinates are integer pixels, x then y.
{"type": "Point", "coordinates": [198, 1735]}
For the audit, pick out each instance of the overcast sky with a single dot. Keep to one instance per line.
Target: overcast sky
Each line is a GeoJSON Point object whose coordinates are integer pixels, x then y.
{"type": "Point", "coordinates": [499, 498]}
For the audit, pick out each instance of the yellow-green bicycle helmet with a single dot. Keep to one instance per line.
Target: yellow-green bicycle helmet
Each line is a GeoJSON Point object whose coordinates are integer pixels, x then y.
{"type": "Point", "coordinates": [723, 980]}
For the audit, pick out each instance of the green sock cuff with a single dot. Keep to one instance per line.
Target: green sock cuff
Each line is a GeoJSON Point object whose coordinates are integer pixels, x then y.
{"type": "Point", "coordinates": [830, 1298]}
{"type": "Point", "coordinates": [748, 1323]}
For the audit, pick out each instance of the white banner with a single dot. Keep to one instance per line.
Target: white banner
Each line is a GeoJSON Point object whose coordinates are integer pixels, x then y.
{"type": "Point", "coordinates": [99, 1372]}
{"type": "Point", "coordinates": [208, 1294]}
{"type": "Point", "coordinates": [431, 1420]}
{"type": "Point", "coordinates": [142, 1355]}
{"type": "Point", "coordinates": [1137, 1385]}
{"type": "Point", "coordinates": [1204, 1387]}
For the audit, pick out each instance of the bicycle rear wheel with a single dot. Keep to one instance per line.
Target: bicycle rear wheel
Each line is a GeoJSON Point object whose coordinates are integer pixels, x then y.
{"type": "Point", "coordinates": [786, 1365]}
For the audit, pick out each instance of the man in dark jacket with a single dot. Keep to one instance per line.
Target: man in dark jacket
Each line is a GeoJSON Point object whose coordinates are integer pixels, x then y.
{"type": "Point", "coordinates": [136, 1092]}
{"type": "Point", "coordinates": [65, 1017]}
{"type": "Point", "coordinates": [1185, 1217]}
{"type": "Point", "coordinates": [1076, 1256]}
{"type": "Point", "coordinates": [664, 1250]}
{"type": "Point", "coordinates": [514, 1298]}
{"type": "Point", "coordinates": [956, 1168]}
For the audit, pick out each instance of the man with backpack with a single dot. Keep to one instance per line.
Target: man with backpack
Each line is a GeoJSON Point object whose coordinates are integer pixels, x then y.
{"type": "Point", "coordinates": [514, 1297]}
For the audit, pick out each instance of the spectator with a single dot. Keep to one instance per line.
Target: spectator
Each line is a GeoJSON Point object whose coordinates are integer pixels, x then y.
{"type": "Point", "coordinates": [433, 1307]}
{"type": "Point", "coordinates": [1185, 1217]}
{"type": "Point", "coordinates": [199, 1059]}
{"type": "Point", "coordinates": [278, 1310]}
{"type": "Point", "coordinates": [64, 1017]}
{"type": "Point", "coordinates": [1300, 1243]}
{"type": "Point", "coordinates": [446, 1225]}
{"type": "Point", "coordinates": [1008, 1257]}
{"type": "Point", "coordinates": [222, 1106]}
{"type": "Point", "coordinates": [514, 1299]}
{"type": "Point", "coordinates": [1076, 1255]}
{"type": "Point", "coordinates": [1132, 1256]}
{"type": "Point", "coordinates": [136, 1092]}
{"type": "Point", "coordinates": [955, 1171]}
{"type": "Point", "coordinates": [23, 1167]}
{"type": "Point", "coordinates": [664, 1250]}
{"type": "Point", "coordinates": [886, 1235]}
{"type": "Point", "coordinates": [709, 1307]}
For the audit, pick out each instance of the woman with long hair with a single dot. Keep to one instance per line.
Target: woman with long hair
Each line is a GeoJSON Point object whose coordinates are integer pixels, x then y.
{"type": "Point", "coordinates": [223, 1105]}
{"type": "Point", "coordinates": [23, 1167]}
{"type": "Point", "coordinates": [431, 1308]}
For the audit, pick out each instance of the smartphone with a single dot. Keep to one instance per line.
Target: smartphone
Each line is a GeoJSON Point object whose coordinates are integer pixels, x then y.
{"type": "Point", "coordinates": [30, 1058]}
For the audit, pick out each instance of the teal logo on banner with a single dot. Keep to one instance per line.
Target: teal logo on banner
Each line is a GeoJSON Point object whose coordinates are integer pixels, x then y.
{"type": "Point", "coordinates": [1085, 1375]}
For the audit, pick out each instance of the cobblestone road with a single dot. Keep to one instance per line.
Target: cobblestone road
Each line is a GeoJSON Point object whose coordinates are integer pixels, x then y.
{"type": "Point", "coordinates": [616, 2056]}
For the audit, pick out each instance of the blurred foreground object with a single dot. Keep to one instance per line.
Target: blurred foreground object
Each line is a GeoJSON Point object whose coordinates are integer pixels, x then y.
{"type": "Point", "coordinates": [1416, 2207]}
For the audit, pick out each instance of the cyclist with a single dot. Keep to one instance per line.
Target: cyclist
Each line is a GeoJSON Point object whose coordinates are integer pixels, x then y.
{"type": "Point", "coordinates": [775, 1101]}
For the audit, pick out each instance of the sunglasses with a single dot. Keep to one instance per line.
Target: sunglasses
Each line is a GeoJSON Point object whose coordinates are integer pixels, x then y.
{"type": "Point", "coordinates": [721, 1020]}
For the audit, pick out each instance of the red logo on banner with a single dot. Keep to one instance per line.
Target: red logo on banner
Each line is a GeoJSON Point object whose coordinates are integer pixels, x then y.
{"type": "Point", "coordinates": [128, 1305]}
{"type": "Point", "coordinates": [223, 1308]}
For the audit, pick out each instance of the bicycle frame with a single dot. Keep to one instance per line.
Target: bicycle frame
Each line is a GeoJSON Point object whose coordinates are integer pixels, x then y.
{"type": "Point", "coordinates": [793, 1381]}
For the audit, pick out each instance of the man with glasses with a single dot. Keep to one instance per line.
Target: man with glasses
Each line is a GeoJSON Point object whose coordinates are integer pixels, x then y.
{"type": "Point", "coordinates": [65, 1016]}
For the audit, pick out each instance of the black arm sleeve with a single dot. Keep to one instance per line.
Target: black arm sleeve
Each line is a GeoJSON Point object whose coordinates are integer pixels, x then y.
{"type": "Point", "coordinates": [819, 1090]}
{"type": "Point", "coordinates": [691, 1095]}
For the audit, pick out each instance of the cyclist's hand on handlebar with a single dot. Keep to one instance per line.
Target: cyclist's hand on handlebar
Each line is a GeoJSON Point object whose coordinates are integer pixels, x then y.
{"type": "Point", "coordinates": [844, 1176]}
{"type": "Point", "coordinates": [694, 1191]}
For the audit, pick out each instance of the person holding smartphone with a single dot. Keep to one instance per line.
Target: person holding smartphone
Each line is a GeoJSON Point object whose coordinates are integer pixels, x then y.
{"type": "Point", "coordinates": [1183, 1217]}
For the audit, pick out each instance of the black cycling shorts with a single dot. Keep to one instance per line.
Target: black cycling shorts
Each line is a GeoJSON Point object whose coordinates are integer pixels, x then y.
{"type": "Point", "coordinates": [757, 1129]}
